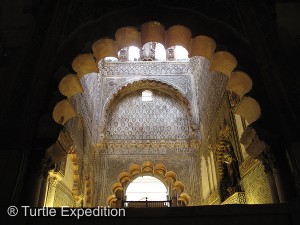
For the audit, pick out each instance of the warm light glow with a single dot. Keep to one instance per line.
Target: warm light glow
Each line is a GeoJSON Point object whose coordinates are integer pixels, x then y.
{"type": "Point", "coordinates": [146, 186]}
{"type": "Point", "coordinates": [147, 96]}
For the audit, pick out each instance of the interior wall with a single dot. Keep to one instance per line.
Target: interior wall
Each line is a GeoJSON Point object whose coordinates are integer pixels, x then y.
{"type": "Point", "coordinates": [253, 182]}
{"type": "Point", "coordinates": [158, 131]}
{"type": "Point", "coordinates": [256, 186]}
{"type": "Point", "coordinates": [63, 189]}
{"type": "Point", "coordinates": [163, 118]}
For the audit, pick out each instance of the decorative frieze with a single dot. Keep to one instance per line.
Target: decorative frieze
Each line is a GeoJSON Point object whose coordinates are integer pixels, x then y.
{"type": "Point", "coordinates": [247, 165]}
{"type": "Point", "coordinates": [213, 199]}
{"type": "Point", "coordinates": [63, 196]}
{"type": "Point", "coordinates": [256, 186]}
{"type": "Point", "coordinates": [127, 69]}
{"type": "Point", "coordinates": [140, 147]}
{"type": "Point", "coordinates": [236, 198]}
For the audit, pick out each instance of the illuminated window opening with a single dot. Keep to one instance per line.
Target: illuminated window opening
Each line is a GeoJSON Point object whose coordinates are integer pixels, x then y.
{"type": "Point", "coordinates": [133, 53]}
{"type": "Point", "coordinates": [110, 59]}
{"type": "Point", "coordinates": [146, 187]}
{"type": "Point", "coordinates": [160, 52]}
{"type": "Point", "coordinates": [153, 51]}
{"type": "Point", "coordinates": [178, 53]}
{"type": "Point", "coordinates": [147, 96]}
{"type": "Point", "coordinates": [130, 53]}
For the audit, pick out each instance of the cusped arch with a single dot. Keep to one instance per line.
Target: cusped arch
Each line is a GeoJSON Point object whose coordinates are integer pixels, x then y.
{"type": "Point", "coordinates": [159, 171]}
{"type": "Point", "coordinates": [151, 84]}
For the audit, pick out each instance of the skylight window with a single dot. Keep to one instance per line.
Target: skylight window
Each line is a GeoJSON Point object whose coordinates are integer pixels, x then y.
{"type": "Point", "coordinates": [147, 96]}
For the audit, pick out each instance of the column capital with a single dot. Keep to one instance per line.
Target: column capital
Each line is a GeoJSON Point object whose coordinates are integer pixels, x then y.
{"type": "Point", "coordinates": [54, 178]}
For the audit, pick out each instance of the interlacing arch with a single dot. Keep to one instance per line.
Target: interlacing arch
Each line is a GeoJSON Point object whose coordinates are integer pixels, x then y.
{"type": "Point", "coordinates": [151, 85]}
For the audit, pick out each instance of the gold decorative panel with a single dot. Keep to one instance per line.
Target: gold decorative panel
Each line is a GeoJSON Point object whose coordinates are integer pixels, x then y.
{"type": "Point", "coordinates": [63, 196]}
{"type": "Point", "coordinates": [236, 198]}
{"type": "Point", "coordinates": [256, 186]}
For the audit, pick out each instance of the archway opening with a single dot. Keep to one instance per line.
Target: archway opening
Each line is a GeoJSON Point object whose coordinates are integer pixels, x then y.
{"type": "Point", "coordinates": [146, 188]}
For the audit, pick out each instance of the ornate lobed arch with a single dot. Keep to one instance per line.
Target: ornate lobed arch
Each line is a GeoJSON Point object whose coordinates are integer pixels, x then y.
{"type": "Point", "coordinates": [148, 84]}
{"type": "Point", "coordinates": [169, 179]}
{"type": "Point", "coordinates": [238, 85]}
{"type": "Point", "coordinates": [239, 82]}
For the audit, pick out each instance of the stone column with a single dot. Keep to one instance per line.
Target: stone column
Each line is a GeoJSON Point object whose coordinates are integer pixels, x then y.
{"type": "Point", "coordinates": [43, 192]}
{"type": "Point", "coordinates": [174, 201]}
{"type": "Point", "coordinates": [47, 165]}
{"type": "Point", "coordinates": [53, 180]}
{"type": "Point", "coordinates": [78, 201]}
{"type": "Point", "coordinates": [209, 175]}
{"type": "Point", "coordinates": [270, 164]}
{"type": "Point", "coordinates": [271, 180]}
{"type": "Point", "coordinates": [120, 197]}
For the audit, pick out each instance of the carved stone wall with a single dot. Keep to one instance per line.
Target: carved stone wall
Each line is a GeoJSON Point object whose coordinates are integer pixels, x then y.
{"type": "Point", "coordinates": [202, 89]}
{"type": "Point", "coordinates": [236, 198]}
{"type": "Point", "coordinates": [63, 196]}
{"type": "Point", "coordinates": [213, 199]}
{"type": "Point", "coordinates": [133, 119]}
{"type": "Point", "coordinates": [256, 186]}
{"type": "Point", "coordinates": [184, 166]}
{"type": "Point", "coordinates": [115, 124]}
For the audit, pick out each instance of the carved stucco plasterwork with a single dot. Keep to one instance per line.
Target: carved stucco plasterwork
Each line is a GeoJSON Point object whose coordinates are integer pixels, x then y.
{"type": "Point", "coordinates": [160, 119]}
{"type": "Point", "coordinates": [145, 67]}
{"type": "Point", "coordinates": [148, 148]}
{"type": "Point", "coordinates": [202, 89]}
{"type": "Point", "coordinates": [236, 198]}
{"type": "Point", "coordinates": [63, 196]}
{"type": "Point", "coordinates": [78, 132]}
{"type": "Point", "coordinates": [256, 186]}
{"type": "Point", "coordinates": [211, 89]}
{"type": "Point", "coordinates": [185, 168]}
{"type": "Point", "coordinates": [181, 84]}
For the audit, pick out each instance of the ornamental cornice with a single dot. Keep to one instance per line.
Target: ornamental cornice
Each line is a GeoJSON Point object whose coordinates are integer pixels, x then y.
{"type": "Point", "coordinates": [126, 69]}
{"type": "Point", "coordinates": [119, 147]}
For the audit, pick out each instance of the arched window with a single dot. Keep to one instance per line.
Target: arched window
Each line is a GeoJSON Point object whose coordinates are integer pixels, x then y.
{"type": "Point", "coordinates": [133, 53]}
{"type": "Point", "coordinates": [153, 51]}
{"type": "Point", "coordinates": [146, 187]}
{"type": "Point", "coordinates": [147, 96]}
{"type": "Point", "coordinates": [130, 53]}
{"type": "Point", "coordinates": [177, 53]}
